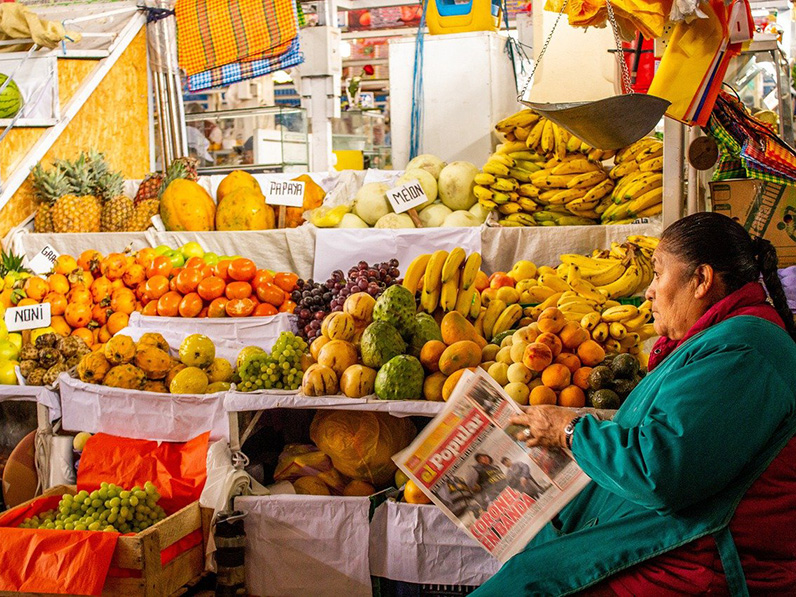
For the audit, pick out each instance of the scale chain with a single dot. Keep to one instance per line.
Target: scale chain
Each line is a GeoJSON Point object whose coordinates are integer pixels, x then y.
{"type": "Point", "coordinates": [620, 51]}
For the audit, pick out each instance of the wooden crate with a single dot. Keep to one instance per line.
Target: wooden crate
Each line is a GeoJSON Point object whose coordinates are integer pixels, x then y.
{"type": "Point", "coordinates": [142, 552]}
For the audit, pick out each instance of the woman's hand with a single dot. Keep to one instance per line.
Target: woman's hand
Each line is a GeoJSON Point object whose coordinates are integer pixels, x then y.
{"type": "Point", "coordinates": [545, 425]}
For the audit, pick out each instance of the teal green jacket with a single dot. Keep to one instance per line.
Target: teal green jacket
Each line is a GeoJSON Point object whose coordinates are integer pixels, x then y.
{"type": "Point", "coordinates": [672, 465]}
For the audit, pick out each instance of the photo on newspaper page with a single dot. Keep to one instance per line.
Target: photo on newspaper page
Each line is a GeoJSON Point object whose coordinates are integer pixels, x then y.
{"type": "Point", "coordinates": [489, 483]}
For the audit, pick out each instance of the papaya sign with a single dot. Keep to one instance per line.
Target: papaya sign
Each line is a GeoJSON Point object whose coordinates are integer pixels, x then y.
{"type": "Point", "coordinates": [288, 192]}
{"type": "Point", "coordinates": [28, 317]}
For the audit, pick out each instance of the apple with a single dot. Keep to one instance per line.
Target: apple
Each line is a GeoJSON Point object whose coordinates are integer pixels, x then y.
{"type": "Point", "coordinates": [177, 260]}
{"type": "Point", "coordinates": [80, 441]}
{"type": "Point", "coordinates": [8, 352]}
{"type": "Point", "coordinates": [192, 249]}
{"type": "Point", "coordinates": [8, 376]}
{"type": "Point", "coordinates": [162, 249]}
{"type": "Point", "coordinates": [211, 258]}
{"type": "Point", "coordinates": [15, 339]}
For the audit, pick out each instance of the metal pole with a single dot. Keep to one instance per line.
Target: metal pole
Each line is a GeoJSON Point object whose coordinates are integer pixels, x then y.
{"type": "Point", "coordinates": [692, 202]}
{"type": "Point", "coordinates": [673, 138]}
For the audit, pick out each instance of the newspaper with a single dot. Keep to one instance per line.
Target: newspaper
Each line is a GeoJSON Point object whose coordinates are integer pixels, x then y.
{"type": "Point", "coordinates": [469, 463]}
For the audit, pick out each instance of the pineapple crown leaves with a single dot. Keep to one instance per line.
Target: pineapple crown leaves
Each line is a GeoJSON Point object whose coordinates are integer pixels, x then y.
{"type": "Point", "coordinates": [177, 169]}
{"type": "Point", "coordinates": [49, 185]}
{"type": "Point", "coordinates": [11, 262]}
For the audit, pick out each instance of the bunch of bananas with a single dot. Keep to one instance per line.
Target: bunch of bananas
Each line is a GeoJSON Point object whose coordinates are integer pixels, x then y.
{"type": "Point", "coordinates": [446, 280]}
{"type": "Point", "coordinates": [504, 183]}
{"type": "Point", "coordinates": [620, 328]}
{"type": "Point", "coordinates": [639, 182]}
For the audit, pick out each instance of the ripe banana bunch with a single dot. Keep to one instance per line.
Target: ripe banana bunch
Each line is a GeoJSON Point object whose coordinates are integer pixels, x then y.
{"type": "Point", "coordinates": [502, 184]}
{"type": "Point", "coordinates": [446, 280]}
{"type": "Point", "coordinates": [639, 182]}
{"type": "Point", "coordinates": [621, 328]}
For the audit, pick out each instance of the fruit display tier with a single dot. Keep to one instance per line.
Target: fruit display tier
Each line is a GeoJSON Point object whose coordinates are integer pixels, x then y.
{"type": "Point", "coordinates": [293, 249]}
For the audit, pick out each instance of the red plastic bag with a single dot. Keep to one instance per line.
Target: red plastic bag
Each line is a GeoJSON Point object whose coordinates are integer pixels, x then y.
{"type": "Point", "coordinates": [179, 470]}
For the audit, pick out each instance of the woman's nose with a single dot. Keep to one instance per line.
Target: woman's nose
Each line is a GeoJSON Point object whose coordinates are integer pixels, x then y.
{"type": "Point", "coordinates": [650, 293]}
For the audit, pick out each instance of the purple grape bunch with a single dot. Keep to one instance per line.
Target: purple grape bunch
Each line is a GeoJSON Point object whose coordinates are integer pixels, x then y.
{"type": "Point", "coordinates": [315, 300]}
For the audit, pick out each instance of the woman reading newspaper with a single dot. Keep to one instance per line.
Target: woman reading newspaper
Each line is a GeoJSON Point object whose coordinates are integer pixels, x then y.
{"type": "Point", "coordinates": [693, 482]}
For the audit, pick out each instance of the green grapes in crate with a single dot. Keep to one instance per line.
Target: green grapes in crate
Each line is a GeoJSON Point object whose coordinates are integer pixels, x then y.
{"type": "Point", "coordinates": [280, 370]}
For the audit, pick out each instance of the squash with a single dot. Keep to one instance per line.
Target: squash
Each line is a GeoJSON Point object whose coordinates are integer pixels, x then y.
{"type": "Point", "coordinates": [319, 381]}
{"type": "Point", "coordinates": [244, 209]}
{"type": "Point", "coordinates": [185, 205]}
{"type": "Point", "coordinates": [313, 198]}
{"type": "Point", "coordinates": [460, 355]}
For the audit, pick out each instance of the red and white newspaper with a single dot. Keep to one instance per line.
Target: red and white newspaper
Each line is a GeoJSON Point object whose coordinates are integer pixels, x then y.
{"type": "Point", "coordinates": [469, 463]}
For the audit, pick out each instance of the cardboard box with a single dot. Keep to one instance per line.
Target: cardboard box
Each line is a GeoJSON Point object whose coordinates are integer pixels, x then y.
{"type": "Point", "coordinates": [765, 209]}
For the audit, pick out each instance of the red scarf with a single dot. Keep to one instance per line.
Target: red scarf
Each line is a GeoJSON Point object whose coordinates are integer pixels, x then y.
{"type": "Point", "coordinates": [748, 300]}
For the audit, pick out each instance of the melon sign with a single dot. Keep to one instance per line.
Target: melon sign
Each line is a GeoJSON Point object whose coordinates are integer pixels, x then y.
{"type": "Point", "coordinates": [10, 98]}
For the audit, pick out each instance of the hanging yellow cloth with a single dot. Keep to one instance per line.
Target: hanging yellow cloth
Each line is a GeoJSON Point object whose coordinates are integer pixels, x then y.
{"type": "Point", "coordinates": [19, 22]}
{"type": "Point", "coordinates": [646, 16]}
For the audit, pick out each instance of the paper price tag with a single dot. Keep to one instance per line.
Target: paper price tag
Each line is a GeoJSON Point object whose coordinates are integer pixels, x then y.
{"type": "Point", "coordinates": [43, 262]}
{"type": "Point", "coordinates": [28, 317]}
{"type": "Point", "coordinates": [406, 196]}
{"type": "Point", "coordinates": [287, 192]}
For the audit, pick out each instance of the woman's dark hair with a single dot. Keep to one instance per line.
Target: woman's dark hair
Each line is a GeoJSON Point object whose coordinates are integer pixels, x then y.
{"type": "Point", "coordinates": [718, 241]}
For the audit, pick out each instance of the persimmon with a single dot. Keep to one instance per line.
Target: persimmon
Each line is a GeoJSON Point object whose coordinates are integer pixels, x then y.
{"type": "Point", "coordinates": [218, 307]}
{"type": "Point", "coordinates": [188, 280]}
{"type": "Point", "coordinates": [271, 293]}
{"type": "Point", "coordinates": [113, 266]}
{"type": "Point", "coordinates": [57, 302]}
{"type": "Point", "coordinates": [118, 321]}
{"type": "Point", "coordinates": [89, 260]}
{"type": "Point", "coordinates": [145, 256]}
{"type": "Point", "coordinates": [287, 307]}
{"type": "Point", "coordinates": [211, 288]}
{"type": "Point", "coordinates": [242, 269]}
{"type": "Point", "coordinates": [103, 334]}
{"type": "Point", "coordinates": [99, 314]}
{"type": "Point", "coordinates": [264, 310]}
{"type": "Point", "coordinates": [222, 269]}
{"type": "Point", "coordinates": [123, 300]}
{"type": "Point", "coordinates": [84, 334]}
{"type": "Point", "coordinates": [58, 283]}
{"type": "Point", "coordinates": [238, 290]}
{"type": "Point", "coordinates": [160, 265]}
{"type": "Point", "coordinates": [169, 304]}
{"type": "Point", "coordinates": [190, 305]}
{"type": "Point", "coordinates": [58, 323]}
{"type": "Point", "coordinates": [36, 288]}
{"type": "Point", "coordinates": [79, 294]}
{"type": "Point", "coordinates": [134, 275]}
{"type": "Point", "coordinates": [240, 307]}
{"type": "Point", "coordinates": [286, 281]}
{"type": "Point", "coordinates": [78, 314]}
{"type": "Point", "coordinates": [65, 264]}
{"type": "Point", "coordinates": [150, 309]}
{"type": "Point", "coordinates": [261, 276]}
{"type": "Point", "coordinates": [156, 286]}
{"type": "Point", "coordinates": [195, 263]}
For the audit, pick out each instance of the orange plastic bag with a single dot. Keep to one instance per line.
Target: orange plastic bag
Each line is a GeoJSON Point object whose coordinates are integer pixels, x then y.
{"type": "Point", "coordinates": [42, 561]}
{"type": "Point", "coordinates": [179, 470]}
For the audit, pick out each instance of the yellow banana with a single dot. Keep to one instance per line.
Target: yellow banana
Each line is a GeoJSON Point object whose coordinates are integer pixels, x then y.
{"type": "Point", "coordinates": [464, 300]}
{"type": "Point", "coordinates": [522, 176]}
{"type": "Point", "coordinates": [521, 133]}
{"type": "Point", "coordinates": [504, 184]}
{"type": "Point", "coordinates": [527, 205]}
{"type": "Point", "coordinates": [651, 165]}
{"type": "Point", "coordinates": [502, 158]}
{"type": "Point", "coordinates": [590, 321]}
{"type": "Point", "coordinates": [510, 147]}
{"type": "Point", "coordinates": [538, 294]}
{"type": "Point", "coordinates": [475, 305]}
{"type": "Point", "coordinates": [565, 196]}
{"type": "Point", "coordinates": [573, 273]}
{"type": "Point", "coordinates": [573, 145]}
{"type": "Point", "coordinates": [653, 151]}
{"type": "Point", "coordinates": [449, 293]}
{"type": "Point", "coordinates": [616, 330]}
{"type": "Point", "coordinates": [547, 142]}
{"type": "Point", "coordinates": [612, 346]}
{"type": "Point", "coordinates": [586, 289]}
{"type": "Point", "coordinates": [524, 118]}
{"type": "Point", "coordinates": [479, 323]}
{"type": "Point", "coordinates": [634, 323]}
{"type": "Point", "coordinates": [508, 209]}
{"type": "Point", "coordinates": [415, 272]}
{"type": "Point", "coordinates": [548, 181]}
{"type": "Point", "coordinates": [620, 313]}
{"type": "Point", "coordinates": [561, 137]}
{"type": "Point", "coordinates": [646, 331]}
{"type": "Point", "coordinates": [485, 179]}
{"type": "Point", "coordinates": [528, 190]}
{"type": "Point", "coordinates": [599, 191]}
{"type": "Point", "coordinates": [577, 166]}
{"type": "Point", "coordinates": [645, 201]}
{"type": "Point", "coordinates": [433, 276]}
{"type": "Point", "coordinates": [550, 301]}
{"type": "Point", "coordinates": [625, 285]}
{"type": "Point", "coordinates": [488, 204]}
{"type": "Point", "coordinates": [525, 155]}
{"type": "Point", "coordinates": [482, 193]}
{"type": "Point", "coordinates": [496, 168]}
{"type": "Point", "coordinates": [634, 149]}
{"type": "Point", "coordinates": [507, 319]}
{"type": "Point", "coordinates": [493, 311]}
{"type": "Point", "coordinates": [554, 282]}
{"type": "Point", "coordinates": [535, 136]}
{"type": "Point", "coordinates": [470, 269]}
{"type": "Point", "coordinates": [651, 211]}
{"type": "Point", "coordinates": [587, 180]}
{"type": "Point", "coordinates": [623, 169]}
{"type": "Point", "coordinates": [452, 263]}
{"type": "Point", "coordinates": [600, 332]}
{"type": "Point", "coordinates": [500, 198]}
{"type": "Point", "coordinates": [646, 184]}
{"type": "Point", "coordinates": [429, 300]}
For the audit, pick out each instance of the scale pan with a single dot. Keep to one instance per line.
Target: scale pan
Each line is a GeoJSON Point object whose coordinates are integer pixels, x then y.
{"type": "Point", "coordinates": [610, 123]}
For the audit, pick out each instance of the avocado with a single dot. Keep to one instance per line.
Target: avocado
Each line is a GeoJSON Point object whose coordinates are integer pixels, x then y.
{"type": "Point", "coordinates": [624, 366]}
{"type": "Point", "coordinates": [607, 399]}
{"type": "Point", "coordinates": [623, 387]}
{"type": "Point", "coordinates": [600, 377]}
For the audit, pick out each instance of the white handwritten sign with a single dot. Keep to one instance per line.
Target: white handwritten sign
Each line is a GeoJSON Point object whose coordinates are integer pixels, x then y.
{"type": "Point", "coordinates": [406, 196]}
{"type": "Point", "coordinates": [28, 317]}
{"type": "Point", "coordinates": [44, 262]}
{"type": "Point", "coordinates": [286, 192]}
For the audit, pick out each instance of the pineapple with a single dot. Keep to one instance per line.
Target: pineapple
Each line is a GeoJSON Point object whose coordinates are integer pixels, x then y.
{"type": "Point", "coordinates": [149, 187]}
{"type": "Point", "coordinates": [116, 208]}
{"type": "Point", "coordinates": [189, 165]}
{"type": "Point", "coordinates": [48, 186]}
{"type": "Point", "coordinates": [141, 219]}
{"type": "Point", "coordinates": [79, 211]}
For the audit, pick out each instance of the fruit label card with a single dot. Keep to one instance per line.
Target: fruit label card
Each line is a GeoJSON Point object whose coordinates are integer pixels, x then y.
{"type": "Point", "coordinates": [28, 317]}
{"type": "Point", "coordinates": [44, 261]}
{"type": "Point", "coordinates": [286, 192]}
{"type": "Point", "coordinates": [406, 196]}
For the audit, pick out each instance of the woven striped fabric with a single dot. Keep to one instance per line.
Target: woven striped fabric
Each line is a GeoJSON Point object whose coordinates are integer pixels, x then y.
{"type": "Point", "coordinates": [217, 33]}
{"type": "Point", "coordinates": [239, 71]}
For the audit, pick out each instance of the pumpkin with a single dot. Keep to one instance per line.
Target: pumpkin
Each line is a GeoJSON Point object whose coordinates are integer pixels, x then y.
{"type": "Point", "coordinates": [313, 198]}
{"type": "Point", "coordinates": [460, 355]}
{"type": "Point", "coordinates": [237, 179]}
{"type": "Point", "coordinates": [319, 381]}
{"type": "Point", "coordinates": [244, 209]}
{"type": "Point", "coordinates": [185, 205]}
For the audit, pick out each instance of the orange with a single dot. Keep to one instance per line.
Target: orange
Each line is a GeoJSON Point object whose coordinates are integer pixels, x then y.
{"type": "Point", "coordinates": [190, 305]}
{"type": "Point", "coordinates": [240, 307]}
{"type": "Point", "coordinates": [218, 307]}
{"type": "Point", "coordinates": [542, 395]}
{"type": "Point", "coordinates": [556, 376]}
{"type": "Point", "coordinates": [572, 396]}
{"type": "Point", "coordinates": [64, 264]}
{"type": "Point", "coordinates": [211, 288]}
{"type": "Point", "coordinates": [160, 265]}
{"type": "Point", "coordinates": [569, 360]}
{"type": "Point", "coordinates": [169, 304]}
{"type": "Point", "coordinates": [264, 310]}
{"type": "Point", "coordinates": [58, 323]}
{"type": "Point", "coordinates": [36, 288]}
{"type": "Point", "coordinates": [156, 286]}
{"type": "Point", "coordinates": [262, 276]}
{"type": "Point", "coordinates": [270, 293]}
{"type": "Point", "coordinates": [287, 307]}
{"type": "Point", "coordinates": [286, 281]}
{"type": "Point", "coordinates": [222, 269]}
{"type": "Point", "coordinates": [117, 321]}
{"type": "Point", "coordinates": [238, 290]}
{"type": "Point", "coordinates": [413, 494]}
{"type": "Point", "coordinates": [150, 309]}
{"type": "Point", "coordinates": [188, 280]}
{"type": "Point", "coordinates": [242, 269]}
{"type": "Point", "coordinates": [58, 283]}
{"type": "Point", "coordinates": [580, 377]}
{"type": "Point", "coordinates": [84, 334]}
{"type": "Point", "coordinates": [590, 353]}
{"type": "Point", "coordinates": [195, 263]}
{"type": "Point", "coordinates": [57, 302]}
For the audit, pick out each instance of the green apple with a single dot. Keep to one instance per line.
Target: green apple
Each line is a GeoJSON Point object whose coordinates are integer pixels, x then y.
{"type": "Point", "coordinates": [211, 258]}
{"type": "Point", "coordinates": [3, 330]}
{"type": "Point", "coordinates": [400, 478]}
{"type": "Point", "coordinates": [162, 250]}
{"type": "Point", "coordinates": [80, 441]}
{"type": "Point", "coordinates": [177, 260]}
{"type": "Point", "coordinates": [8, 376]}
{"type": "Point", "coordinates": [15, 339]}
{"type": "Point", "coordinates": [192, 249]}
{"type": "Point", "coordinates": [8, 352]}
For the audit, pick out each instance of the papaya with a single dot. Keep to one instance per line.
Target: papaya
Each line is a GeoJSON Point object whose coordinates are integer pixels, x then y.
{"type": "Point", "coordinates": [185, 205]}
{"type": "Point", "coordinates": [450, 383]}
{"type": "Point", "coordinates": [313, 198]}
{"type": "Point", "coordinates": [237, 179]}
{"type": "Point", "coordinates": [244, 209]}
{"type": "Point", "coordinates": [460, 355]}
{"type": "Point", "coordinates": [455, 328]}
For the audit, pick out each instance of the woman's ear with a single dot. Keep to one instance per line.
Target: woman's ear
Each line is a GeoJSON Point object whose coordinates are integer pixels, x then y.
{"type": "Point", "coordinates": [705, 279]}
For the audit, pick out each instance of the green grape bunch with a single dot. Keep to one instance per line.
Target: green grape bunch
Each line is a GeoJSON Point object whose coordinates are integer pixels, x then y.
{"type": "Point", "coordinates": [109, 508]}
{"type": "Point", "coordinates": [280, 370]}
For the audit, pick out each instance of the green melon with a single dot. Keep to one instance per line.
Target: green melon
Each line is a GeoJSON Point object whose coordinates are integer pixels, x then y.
{"type": "Point", "coordinates": [10, 98]}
